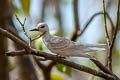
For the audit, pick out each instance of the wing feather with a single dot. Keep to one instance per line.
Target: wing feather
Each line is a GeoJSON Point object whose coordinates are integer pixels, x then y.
{"type": "Point", "coordinates": [58, 43]}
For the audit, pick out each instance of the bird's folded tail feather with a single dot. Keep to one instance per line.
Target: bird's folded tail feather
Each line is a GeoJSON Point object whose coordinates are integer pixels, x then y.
{"type": "Point", "coordinates": [97, 47]}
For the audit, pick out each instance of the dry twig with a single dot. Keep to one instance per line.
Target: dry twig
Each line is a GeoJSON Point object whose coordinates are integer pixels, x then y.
{"type": "Point", "coordinates": [91, 19]}
{"type": "Point", "coordinates": [23, 28]}
{"type": "Point", "coordinates": [111, 44]}
{"type": "Point", "coordinates": [105, 25]}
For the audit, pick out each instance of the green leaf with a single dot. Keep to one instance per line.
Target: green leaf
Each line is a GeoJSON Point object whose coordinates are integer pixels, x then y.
{"type": "Point", "coordinates": [64, 69]}
{"type": "Point", "coordinates": [25, 5]}
{"type": "Point", "coordinates": [56, 77]}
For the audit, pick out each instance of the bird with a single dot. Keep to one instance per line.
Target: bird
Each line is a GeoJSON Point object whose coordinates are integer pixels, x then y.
{"type": "Point", "coordinates": [65, 47]}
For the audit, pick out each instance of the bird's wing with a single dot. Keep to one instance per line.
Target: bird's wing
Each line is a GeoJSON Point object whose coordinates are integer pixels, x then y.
{"type": "Point", "coordinates": [63, 44]}
{"type": "Point", "coordinates": [60, 43]}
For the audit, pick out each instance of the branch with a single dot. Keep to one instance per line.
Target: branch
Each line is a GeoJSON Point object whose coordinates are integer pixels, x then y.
{"type": "Point", "coordinates": [91, 19]}
{"type": "Point", "coordinates": [15, 39]}
{"type": "Point", "coordinates": [51, 64]}
{"type": "Point", "coordinates": [76, 20]}
{"type": "Point", "coordinates": [51, 57]}
{"type": "Point", "coordinates": [101, 66]}
{"type": "Point", "coordinates": [65, 62]}
{"type": "Point", "coordinates": [40, 65]}
{"type": "Point", "coordinates": [76, 16]}
{"type": "Point", "coordinates": [105, 25]}
{"type": "Point", "coordinates": [80, 32]}
{"type": "Point", "coordinates": [23, 28]}
{"type": "Point", "coordinates": [58, 16]}
{"type": "Point", "coordinates": [44, 5]}
{"type": "Point", "coordinates": [117, 25]}
{"type": "Point", "coordinates": [22, 25]}
{"type": "Point", "coordinates": [109, 60]}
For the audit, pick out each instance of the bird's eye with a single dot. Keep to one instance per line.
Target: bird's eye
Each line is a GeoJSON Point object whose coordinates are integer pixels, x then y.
{"type": "Point", "coordinates": [42, 26]}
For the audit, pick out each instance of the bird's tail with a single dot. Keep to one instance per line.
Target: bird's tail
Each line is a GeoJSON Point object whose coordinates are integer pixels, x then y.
{"type": "Point", "coordinates": [96, 47]}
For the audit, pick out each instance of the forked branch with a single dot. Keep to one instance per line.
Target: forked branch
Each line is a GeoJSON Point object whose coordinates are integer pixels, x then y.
{"type": "Point", "coordinates": [23, 28]}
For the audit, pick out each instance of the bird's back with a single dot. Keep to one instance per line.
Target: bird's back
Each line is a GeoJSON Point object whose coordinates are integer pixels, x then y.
{"type": "Point", "coordinates": [66, 47]}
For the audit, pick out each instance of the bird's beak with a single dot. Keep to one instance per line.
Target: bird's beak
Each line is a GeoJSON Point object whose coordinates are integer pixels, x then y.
{"type": "Point", "coordinates": [34, 29]}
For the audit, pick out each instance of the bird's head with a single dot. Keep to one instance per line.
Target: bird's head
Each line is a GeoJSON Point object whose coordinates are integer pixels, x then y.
{"type": "Point", "coordinates": [42, 28]}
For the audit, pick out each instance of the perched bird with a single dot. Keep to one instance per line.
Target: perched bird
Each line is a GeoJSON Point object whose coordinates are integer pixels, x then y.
{"type": "Point", "coordinates": [65, 47]}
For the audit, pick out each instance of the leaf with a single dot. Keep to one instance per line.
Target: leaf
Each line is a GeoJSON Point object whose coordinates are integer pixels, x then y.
{"type": "Point", "coordinates": [64, 69]}
{"type": "Point", "coordinates": [56, 77]}
{"type": "Point", "coordinates": [25, 5]}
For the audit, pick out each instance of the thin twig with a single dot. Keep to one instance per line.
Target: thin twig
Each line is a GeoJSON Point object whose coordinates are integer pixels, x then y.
{"type": "Point", "coordinates": [35, 38]}
{"type": "Point", "coordinates": [117, 25]}
{"type": "Point", "coordinates": [91, 19]}
{"type": "Point", "coordinates": [109, 59]}
{"type": "Point", "coordinates": [22, 25]}
{"type": "Point", "coordinates": [23, 28]}
{"type": "Point", "coordinates": [105, 25]}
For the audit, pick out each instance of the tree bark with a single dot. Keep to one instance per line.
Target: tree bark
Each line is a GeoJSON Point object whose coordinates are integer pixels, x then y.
{"type": "Point", "coordinates": [46, 74]}
{"type": "Point", "coordinates": [3, 41]}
